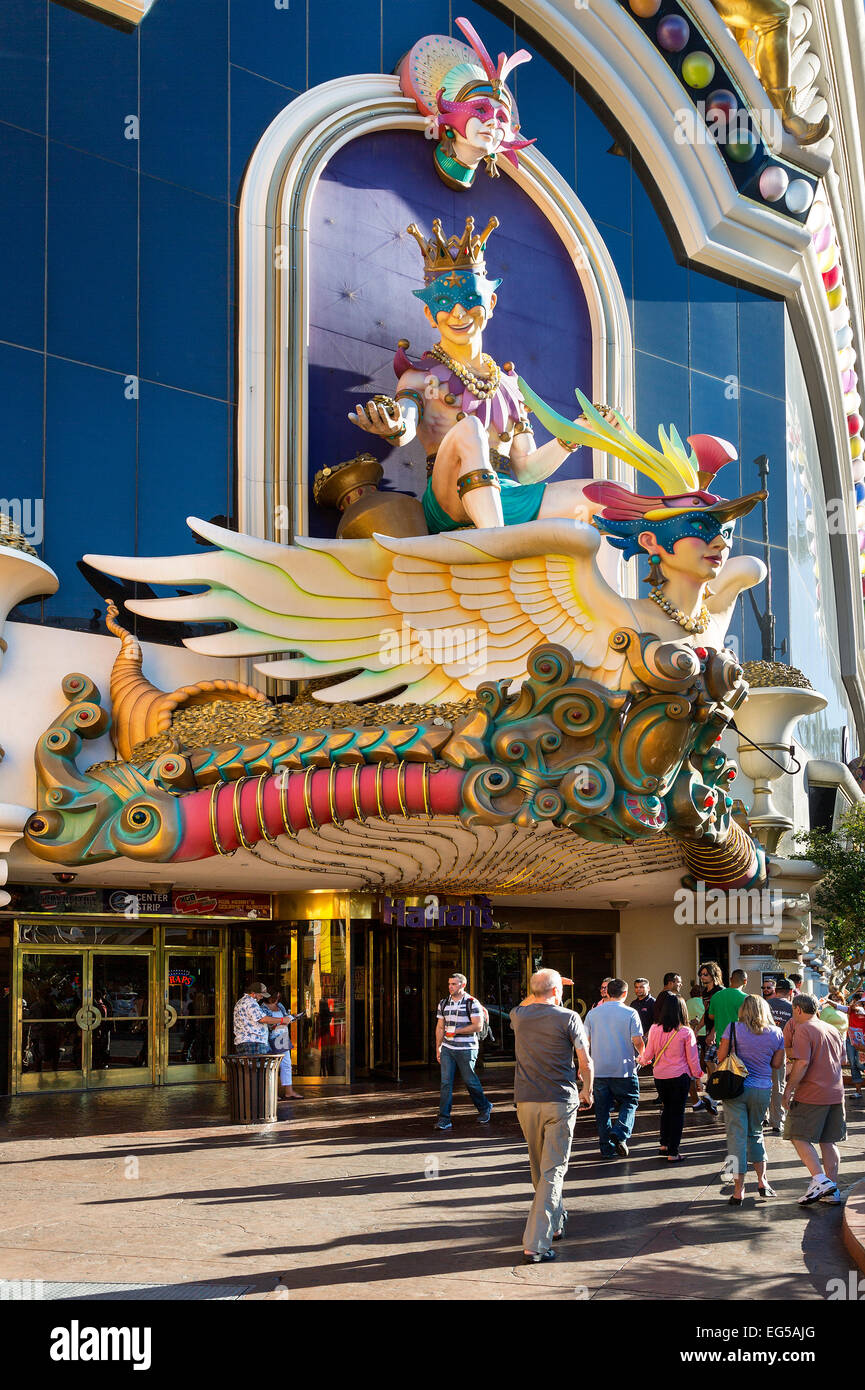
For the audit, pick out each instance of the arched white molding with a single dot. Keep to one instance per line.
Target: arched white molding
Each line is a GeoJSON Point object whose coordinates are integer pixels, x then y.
{"type": "Point", "coordinates": [273, 332]}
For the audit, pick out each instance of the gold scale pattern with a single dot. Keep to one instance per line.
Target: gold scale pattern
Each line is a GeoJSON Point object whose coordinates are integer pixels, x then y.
{"type": "Point", "coordinates": [227, 721]}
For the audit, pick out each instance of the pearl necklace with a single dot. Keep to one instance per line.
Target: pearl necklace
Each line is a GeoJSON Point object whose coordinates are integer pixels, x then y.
{"type": "Point", "coordinates": [480, 387]}
{"type": "Point", "coordinates": [697, 625]}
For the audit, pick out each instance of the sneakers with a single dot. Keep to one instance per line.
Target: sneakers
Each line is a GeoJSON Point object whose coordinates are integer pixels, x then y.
{"type": "Point", "coordinates": [817, 1189]}
{"type": "Point", "coordinates": [699, 1105]}
{"type": "Point", "coordinates": [538, 1257]}
{"type": "Point", "coordinates": [442, 1123]}
{"type": "Point", "coordinates": [833, 1198]}
{"type": "Point", "coordinates": [711, 1106]}
{"type": "Point", "coordinates": [622, 1149]}
{"type": "Point", "coordinates": [484, 1119]}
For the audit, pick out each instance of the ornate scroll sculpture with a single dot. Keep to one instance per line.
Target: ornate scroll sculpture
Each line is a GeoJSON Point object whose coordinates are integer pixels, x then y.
{"type": "Point", "coordinates": [562, 751]}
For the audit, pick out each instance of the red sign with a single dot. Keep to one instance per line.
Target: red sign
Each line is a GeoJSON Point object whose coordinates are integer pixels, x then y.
{"type": "Point", "coordinates": [197, 903]}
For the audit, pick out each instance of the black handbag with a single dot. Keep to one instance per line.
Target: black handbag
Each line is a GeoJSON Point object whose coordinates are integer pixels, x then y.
{"type": "Point", "coordinates": [728, 1079]}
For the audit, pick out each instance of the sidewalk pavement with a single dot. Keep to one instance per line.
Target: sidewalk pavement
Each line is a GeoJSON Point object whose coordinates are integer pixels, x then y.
{"type": "Point", "coordinates": [353, 1195]}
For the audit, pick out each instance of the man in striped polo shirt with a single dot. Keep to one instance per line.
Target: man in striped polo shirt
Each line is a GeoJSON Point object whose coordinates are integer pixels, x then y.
{"type": "Point", "coordinates": [459, 1020]}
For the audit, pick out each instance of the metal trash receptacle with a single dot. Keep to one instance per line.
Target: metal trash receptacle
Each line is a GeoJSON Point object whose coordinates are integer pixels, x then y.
{"type": "Point", "coordinates": [252, 1088]}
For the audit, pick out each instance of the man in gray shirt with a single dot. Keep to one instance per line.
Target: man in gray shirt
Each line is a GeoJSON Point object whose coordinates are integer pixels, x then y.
{"type": "Point", "coordinates": [546, 1038]}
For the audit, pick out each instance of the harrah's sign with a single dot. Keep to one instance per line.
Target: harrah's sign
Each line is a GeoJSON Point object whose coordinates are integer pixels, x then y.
{"type": "Point", "coordinates": [437, 912]}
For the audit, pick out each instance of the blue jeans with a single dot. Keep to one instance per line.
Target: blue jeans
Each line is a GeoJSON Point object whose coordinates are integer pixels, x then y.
{"type": "Point", "coordinates": [248, 1049]}
{"type": "Point", "coordinates": [462, 1061]}
{"type": "Point", "coordinates": [610, 1092]}
{"type": "Point", "coordinates": [743, 1119]}
{"type": "Point", "coordinates": [855, 1068]}
{"type": "Point", "coordinates": [284, 1067]}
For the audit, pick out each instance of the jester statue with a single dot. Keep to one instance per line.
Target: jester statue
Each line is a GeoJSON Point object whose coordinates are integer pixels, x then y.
{"type": "Point", "coordinates": [470, 111]}
{"type": "Point", "coordinates": [468, 412]}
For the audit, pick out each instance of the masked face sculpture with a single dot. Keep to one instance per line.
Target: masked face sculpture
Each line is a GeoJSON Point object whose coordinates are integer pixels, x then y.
{"type": "Point", "coordinates": [471, 112]}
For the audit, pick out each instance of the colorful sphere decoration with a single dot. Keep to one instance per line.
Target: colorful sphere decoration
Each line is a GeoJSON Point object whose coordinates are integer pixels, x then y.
{"type": "Point", "coordinates": [743, 150]}
{"type": "Point", "coordinates": [698, 69]}
{"type": "Point", "coordinates": [644, 9]}
{"type": "Point", "coordinates": [774, 182]}
{"type": "Point", "coordinates": [825, 244]}
{"type": "Point", "coordinates": [673, 33]}
{"type": "Point", "coordinates": [800, 195]}
{"type": "Point", "coordinates": [722, 100]}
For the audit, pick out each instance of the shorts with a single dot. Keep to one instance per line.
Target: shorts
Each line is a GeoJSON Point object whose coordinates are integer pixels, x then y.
{"type": "Point", "coordinates": [815, 1124]}
{"type": "Point", "coordinates": [520, 502]}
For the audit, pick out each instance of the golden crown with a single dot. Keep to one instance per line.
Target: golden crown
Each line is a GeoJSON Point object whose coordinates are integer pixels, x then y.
{"type": "Point", "coordinates": [455, 253]}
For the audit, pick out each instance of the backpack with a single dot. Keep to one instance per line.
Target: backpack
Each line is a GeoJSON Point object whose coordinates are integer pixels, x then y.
{"type": "Point", "coordinates": [486, 1033]}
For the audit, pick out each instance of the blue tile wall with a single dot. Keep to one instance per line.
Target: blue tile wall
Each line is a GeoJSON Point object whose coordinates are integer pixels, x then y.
{"type": "Point", "coordinates": [24, 62]}
{"type": "Point", "coordinates": [21, 382]}
{"type": "Point", "coordinates": [90, 480]}
{"type": "Point", "coordinates": [22, 238]}
{"type": "Point", "coordinates": [184, 288]}
{"type": "Point", "coordinates": [184, 94]}
{"type": "Point", "coordinates": [92, 86]}
{"type": "Point", "coordinates": [339, 48]}
{"type": "Point", "coordinates": [199, 484]}
{"type": "Point", "coordinates": [271, 41]}
{"type": "Point", "coordinates": [92, 259]}
{"type": "Point", "coordinates": [141, 245]}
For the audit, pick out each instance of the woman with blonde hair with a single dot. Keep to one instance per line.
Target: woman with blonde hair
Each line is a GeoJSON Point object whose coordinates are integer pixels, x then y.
{"type": "Point", "coordinates": [760, 1046]}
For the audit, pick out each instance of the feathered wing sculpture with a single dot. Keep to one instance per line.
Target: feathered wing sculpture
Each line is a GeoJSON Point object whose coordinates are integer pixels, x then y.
{"type": "Point", "coordinates": [437, 614]}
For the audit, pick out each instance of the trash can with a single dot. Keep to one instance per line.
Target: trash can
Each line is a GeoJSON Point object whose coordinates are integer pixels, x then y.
{"type": "Point", "coordinates": [252, 1086]}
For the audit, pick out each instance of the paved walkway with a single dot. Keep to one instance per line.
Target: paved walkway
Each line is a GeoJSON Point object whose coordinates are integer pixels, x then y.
{"type": "Point", "coordinates": [353, 1195]}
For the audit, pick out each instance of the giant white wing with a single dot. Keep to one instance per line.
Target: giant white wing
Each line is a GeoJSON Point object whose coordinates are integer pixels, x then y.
{"type": "Point", "coordinates": [438, 615]}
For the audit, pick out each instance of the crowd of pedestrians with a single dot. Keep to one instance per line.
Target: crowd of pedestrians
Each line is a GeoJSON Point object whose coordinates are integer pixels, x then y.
{"type": "Point", "coordinates": [786, 1049]}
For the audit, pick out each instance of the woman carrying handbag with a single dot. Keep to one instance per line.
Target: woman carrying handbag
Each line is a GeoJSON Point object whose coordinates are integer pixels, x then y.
{"type": "Point", "coordinates": [747, 1053]}
{"type": "Point", "coordinates": [672, 1047]}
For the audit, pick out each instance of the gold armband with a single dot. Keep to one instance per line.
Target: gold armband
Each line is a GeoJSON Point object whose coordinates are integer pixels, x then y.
{"type": "Point", "coordinates": [479, 477]}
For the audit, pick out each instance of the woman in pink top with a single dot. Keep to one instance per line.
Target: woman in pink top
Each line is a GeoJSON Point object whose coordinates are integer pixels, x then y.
{"type": "Point", "coordinates": [672, 1047]}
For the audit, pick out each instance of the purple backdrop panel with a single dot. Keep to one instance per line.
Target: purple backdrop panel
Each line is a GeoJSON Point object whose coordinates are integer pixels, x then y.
{"type": "Point", "coordinates": [364, 266]}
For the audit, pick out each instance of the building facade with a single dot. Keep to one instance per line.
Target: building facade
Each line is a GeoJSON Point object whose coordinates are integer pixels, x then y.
{"type": "Point", "coordinates": [207, 269]}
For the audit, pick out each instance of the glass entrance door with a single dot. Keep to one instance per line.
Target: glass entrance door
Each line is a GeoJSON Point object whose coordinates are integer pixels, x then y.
{"type": "Point", "coordinates": [382, 1001]}
{"type": "Point", "coordinates": [503, 966]}
{"type": "Point", "coordinates": [53, 1023]}
{"type": "Point", "coordinates": [192, 1023]}
{"type": "Point", "coordinates": [121, 1045]}
{"type": "Point", "coordinates": [85, 1019]}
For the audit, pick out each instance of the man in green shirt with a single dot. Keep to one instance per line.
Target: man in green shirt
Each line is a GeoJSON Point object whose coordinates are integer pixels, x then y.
{"type": "Point", "coordinates": [725, 1005]}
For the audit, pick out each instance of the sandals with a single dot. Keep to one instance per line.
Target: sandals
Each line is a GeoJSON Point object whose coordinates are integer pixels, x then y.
{"type": "Point", "coordinates": [767, 1190]}
{"type": "Point", "coordinates": [735, 1201]}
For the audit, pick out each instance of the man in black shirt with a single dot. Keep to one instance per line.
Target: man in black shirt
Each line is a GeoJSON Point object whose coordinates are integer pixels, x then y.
{"type": "Point", "coordinates": [644, 1004]}
{"type": "Point", "coordinates": [781, 1009]}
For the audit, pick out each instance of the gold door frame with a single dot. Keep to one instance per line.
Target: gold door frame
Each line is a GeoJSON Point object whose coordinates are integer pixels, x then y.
{"type": "Point", "coordinates": [156, 1073]}
{"type": "Point", "coordinates": [192, 1071]}
{"type": "Point", "coordinates": [82, 1080]}
{"type": "Point", "coordinates": [295, 1002]}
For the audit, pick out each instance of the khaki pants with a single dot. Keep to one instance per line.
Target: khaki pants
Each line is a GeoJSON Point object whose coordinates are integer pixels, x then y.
{"type": "Point", "coordinates": [548, 1128]}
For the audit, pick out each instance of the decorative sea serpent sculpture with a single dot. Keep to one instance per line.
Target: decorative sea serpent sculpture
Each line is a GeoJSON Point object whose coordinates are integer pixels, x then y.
{"type": "Point", "coordinates": [563, 751]}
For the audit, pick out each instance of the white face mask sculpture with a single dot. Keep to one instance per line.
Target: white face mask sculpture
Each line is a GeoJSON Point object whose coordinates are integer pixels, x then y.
{"type": "Point", "coordinates": [471, 113]}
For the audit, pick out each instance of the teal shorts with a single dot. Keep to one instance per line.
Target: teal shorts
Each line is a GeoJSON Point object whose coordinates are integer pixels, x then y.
{"type": "Point", "coordinates": [520, 502]}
